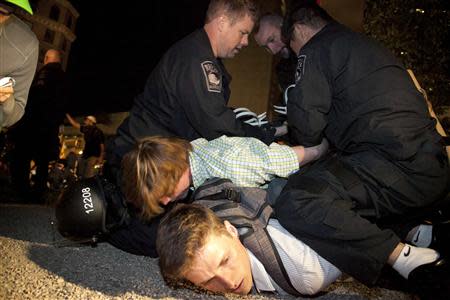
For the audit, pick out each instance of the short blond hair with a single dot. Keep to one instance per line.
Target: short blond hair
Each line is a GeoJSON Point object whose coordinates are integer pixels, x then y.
{"type": "Point", "coordinates": [234, 9]}
{"type": "Point", "coordinates": [152, 170]}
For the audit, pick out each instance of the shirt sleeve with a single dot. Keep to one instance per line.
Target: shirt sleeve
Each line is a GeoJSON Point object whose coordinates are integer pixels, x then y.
{"type": "Point", "coordinates": [14, 107]}
{"type": "Point", "coordinates": [282, 160]}
{"type": "Point", "coordinates": [206, 106]}
{"type": "Point", "coordinates": [246, 161]}
{"type": "Point", "coordinates": [309, 102]}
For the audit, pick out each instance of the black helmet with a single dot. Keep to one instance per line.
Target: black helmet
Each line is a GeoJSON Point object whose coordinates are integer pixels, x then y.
{"type": "Point", "coordinates": [81, 211]}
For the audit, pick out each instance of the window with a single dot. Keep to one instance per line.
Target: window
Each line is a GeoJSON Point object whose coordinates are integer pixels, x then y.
{"type": "Point", "coordinates": [54, 13]}
{"type": "Point", "coordinates": [63, 44]}
{"type": "Point", "coordinates": [69, 21]}
{"type": "Point", "coordinates": [49, 36]}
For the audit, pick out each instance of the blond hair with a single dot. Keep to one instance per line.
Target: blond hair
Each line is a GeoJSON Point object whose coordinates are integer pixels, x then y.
{"type": "Point", "coordinates": [183, 231]}
{"type": "Point", "coordinates": [152, 170]}
{"type": "Point", "coordinates": [234, 9]}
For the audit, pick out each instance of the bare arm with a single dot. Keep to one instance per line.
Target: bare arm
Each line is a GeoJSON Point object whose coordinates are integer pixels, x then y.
{"type": "Point", "coordinates": [308, 154]}
{"type": "Point", "coordinates": [73, 122]}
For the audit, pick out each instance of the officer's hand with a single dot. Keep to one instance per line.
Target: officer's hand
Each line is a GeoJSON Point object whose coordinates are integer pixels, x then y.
{"type": "Point", "coordinates": [5, 93]}
{"type": "Point", "coordinates": [281, 130]}
{"type": "Point", "coordinates": [323, 147]}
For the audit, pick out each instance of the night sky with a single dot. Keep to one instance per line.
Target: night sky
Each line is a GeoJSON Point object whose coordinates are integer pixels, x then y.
{"type": "Point", "coordinates": [118, 45]}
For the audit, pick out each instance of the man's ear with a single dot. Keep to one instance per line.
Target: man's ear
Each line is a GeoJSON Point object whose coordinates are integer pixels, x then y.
{"type": "Point", "coordinates": [303, 32]}
{"type": "Point", "coordinates": [222, 22]}
{"type": "Point", "coordinates": [231, 229]}
{"type": "Point", "coordinates": [298, 30]}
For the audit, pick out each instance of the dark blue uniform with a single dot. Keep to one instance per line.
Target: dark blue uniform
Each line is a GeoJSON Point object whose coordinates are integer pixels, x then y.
{"type": "Point", "coordinates": [388, 156]}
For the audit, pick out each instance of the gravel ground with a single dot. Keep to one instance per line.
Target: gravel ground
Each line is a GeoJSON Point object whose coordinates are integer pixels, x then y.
{"type": "Point", "coordinates": [32, 267]}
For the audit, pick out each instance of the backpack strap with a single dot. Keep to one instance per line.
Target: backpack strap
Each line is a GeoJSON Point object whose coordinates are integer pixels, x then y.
{"type": "Point", "coordinates": [249, 211]}
{"type": "Point", "coordinates": [261, 245]}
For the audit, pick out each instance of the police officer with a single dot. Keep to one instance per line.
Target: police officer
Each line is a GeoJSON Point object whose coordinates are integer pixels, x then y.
{"type": "Point", "coordinates": [186, 95]}
{"type": "Point", "coordinates": [268, 36]}
{"type": "Point", "coordinates": [389, 157]}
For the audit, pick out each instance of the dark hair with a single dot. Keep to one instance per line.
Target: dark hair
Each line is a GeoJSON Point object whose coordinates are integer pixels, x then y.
{"type": "Point", "coordinates": [269, 18]}
{"type": "Point", "coordinates": [306, 12]}
{"type": "Point", "coordinates": [234, 9]}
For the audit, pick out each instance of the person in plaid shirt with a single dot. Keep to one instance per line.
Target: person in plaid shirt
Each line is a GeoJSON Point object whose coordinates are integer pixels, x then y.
{"type": "Point", "coordinates": [160, 170]}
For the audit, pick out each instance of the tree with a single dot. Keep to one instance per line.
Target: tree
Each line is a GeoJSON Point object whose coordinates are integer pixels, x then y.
{"type": "Point", "coordinates": [416, 31]}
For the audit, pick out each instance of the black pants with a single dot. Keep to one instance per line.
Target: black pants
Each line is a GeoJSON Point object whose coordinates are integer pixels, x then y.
{"type": "Point", "coordinates": [319, 205]}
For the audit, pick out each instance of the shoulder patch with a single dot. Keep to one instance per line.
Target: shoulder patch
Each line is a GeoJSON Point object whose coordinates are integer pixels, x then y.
{"type": "Point", "coordinates": [213, 77]}
{"type": "Point", "coordinates": [301, 60]}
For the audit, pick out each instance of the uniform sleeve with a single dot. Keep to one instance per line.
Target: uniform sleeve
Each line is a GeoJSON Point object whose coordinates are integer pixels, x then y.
{"type": "Point", "coordinates": [14, 107]}
{"type": "Point", "coordinates": [309, 102]}
{"type": "Point", "coordinates": [206, 107]}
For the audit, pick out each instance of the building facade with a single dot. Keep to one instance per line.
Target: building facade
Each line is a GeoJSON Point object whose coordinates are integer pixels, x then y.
{"type": "Point", "coordinates": [54, 23]}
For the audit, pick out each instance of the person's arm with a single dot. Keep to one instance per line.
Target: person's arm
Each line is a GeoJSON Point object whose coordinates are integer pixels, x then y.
{"type": "Point", "coordinates": [306, 155]}
{"type": "Point", "coordinates": [206, 107]}
{"type": "Point", "coordinates": [13, 105]}
{"type": "Point", "coordinates": [102, 153]}
{"type": "Point", "coordinates": [73, 122]}
{"type": "Point", "coordinates": [309, 102]}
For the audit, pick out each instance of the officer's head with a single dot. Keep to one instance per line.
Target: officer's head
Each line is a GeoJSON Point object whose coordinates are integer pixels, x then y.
{"type": "Point", "coordinates": [195, 245]}
{"type": "Point", "coordinates": [268, 35]}
{"type": "Point", "coordinates": [229, 24]}
{"type": "Point", "coordinates": [303, 20]}
{"type": "Point", "coordinates": [7, 6]}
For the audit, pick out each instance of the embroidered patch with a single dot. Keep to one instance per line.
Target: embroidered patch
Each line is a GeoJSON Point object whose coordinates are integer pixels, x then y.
{"type": "Point", "coordinates": [300, 68]}
{"type": "Point", "coordinates": [212, 77]}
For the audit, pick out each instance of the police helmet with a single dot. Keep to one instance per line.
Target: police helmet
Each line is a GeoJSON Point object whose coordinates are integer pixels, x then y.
{"type": "Point", "coordinates": [81, 211]}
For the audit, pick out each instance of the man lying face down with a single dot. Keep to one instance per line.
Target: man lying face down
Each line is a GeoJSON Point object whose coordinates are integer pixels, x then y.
{"type": "Point", "coordinates": [194, 245]}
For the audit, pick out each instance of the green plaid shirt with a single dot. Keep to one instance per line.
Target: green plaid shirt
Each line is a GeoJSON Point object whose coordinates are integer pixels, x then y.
{"type": "Point", "coordinates": [245, 161]}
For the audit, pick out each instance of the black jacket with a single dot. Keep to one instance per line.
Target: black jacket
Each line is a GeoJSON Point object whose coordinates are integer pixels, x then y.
{"type": "Point", "coordinates": [356, 94]}
{"type": "Point", "coordinates": [186, 95]}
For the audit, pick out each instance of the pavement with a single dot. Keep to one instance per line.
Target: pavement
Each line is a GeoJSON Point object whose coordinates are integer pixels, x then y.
{"type": "Point", "coordinates": [33, 267]}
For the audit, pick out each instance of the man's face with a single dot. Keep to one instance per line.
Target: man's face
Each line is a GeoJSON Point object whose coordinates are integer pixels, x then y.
{"type": "Point", "coordinates": [269, 37]}
{"type": "Point", "coordinates": [181, 189]}
{"type": "Point", "coordinates": [234, 36]}
{"type": "Point", "coordinates": [222, 265]}
{"type": "Point", "coordinates": [87, 122]}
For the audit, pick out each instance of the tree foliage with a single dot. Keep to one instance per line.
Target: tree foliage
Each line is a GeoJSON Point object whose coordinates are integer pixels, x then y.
{"type": "Point", "coordinates": [418, 32]}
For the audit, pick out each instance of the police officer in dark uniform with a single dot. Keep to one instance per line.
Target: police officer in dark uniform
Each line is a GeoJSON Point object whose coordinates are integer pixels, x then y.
{"type": "Point", "coordinates": [388, 157]}
{"type": "Point", "coordinates": [186, 95]}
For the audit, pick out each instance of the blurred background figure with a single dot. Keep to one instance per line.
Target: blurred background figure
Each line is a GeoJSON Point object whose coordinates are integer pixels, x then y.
{"type": "Point", "coordinates": [36, 136]}
{"type": "Point", "coordinates": [94, 147]}
{"type": "Point", "coordinates": [19, 50]}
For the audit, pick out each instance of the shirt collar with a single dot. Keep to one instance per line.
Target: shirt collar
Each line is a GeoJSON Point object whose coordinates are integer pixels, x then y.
{"type": "Point", "coordinates": [261, 280]}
